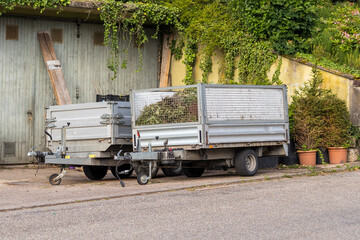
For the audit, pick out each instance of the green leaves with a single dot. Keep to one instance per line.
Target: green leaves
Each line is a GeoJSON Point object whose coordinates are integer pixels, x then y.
{"type": "Point", "coordinates": [284, 23]}
{"type": "Point", "coordinates": [210, 26]}
{"type": "Point", "coordinates": [337, 36]}
{"type": "Point", "coordinates": [8, 5]}
{"type": "Point", "coordinates": [129, 17]}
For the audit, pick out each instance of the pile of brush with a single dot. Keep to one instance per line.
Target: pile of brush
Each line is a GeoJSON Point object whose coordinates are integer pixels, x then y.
{"type": "Point", "coordinates": [179, 108]}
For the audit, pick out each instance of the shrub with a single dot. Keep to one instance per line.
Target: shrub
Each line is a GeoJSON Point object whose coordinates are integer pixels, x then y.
{"type": "Point", "coordinates": [318, 118]}
{"type": "Point", "coordinates": [337, 123]}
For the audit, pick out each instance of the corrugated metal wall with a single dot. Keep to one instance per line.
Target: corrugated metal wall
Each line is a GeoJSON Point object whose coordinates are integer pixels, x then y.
{"type": "Point", "coordinates": [25, 85]}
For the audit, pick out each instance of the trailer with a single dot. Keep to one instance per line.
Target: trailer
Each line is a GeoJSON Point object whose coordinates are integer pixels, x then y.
{"type": "Point", "coordinates": [88, 135]}
{"type": "Point", "coordinates": [206, 126]}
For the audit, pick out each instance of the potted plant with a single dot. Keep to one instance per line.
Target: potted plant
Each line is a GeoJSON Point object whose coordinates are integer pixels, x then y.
{"type": "Point", "coordinates": [305, 121]}
{"type": "Point", "coordinates": [338, 127]}
{"type": "Point", "coordinates": [319, 119]}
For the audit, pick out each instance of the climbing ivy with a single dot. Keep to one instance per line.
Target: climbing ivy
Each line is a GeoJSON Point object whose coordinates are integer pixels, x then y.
{"type": "Point", "coordinates": [191, 49]}
{"type": "Point", "coordinates": [7, 5]}
{"type": "Point", "coordinates": [209, 26]}
{"type": "Point", "coordinates": [130, 18]}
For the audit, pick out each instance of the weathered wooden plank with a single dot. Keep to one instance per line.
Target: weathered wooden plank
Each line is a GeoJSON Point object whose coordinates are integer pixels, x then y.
{"type": "Point", "coordinates": [54, 68]}
{"type": "Point", "coordinates": [165, 61]}
{"type": "Point", "coordinates": [50, 45]}
{"type": "Point", "coordinates": [44, 48]}
{"type": "Point", "coordinates": [63, 96]}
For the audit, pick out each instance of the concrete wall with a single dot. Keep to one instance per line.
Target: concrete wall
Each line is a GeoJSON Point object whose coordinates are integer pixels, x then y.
{"type": "Point", "coordinates": [294, 74]}
{"type": "Point", "coordinates": [177, 70]}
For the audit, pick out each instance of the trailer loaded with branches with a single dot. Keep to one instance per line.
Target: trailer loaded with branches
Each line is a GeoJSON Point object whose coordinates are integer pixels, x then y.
{"type": "Point", "coordinates": [205, 126]}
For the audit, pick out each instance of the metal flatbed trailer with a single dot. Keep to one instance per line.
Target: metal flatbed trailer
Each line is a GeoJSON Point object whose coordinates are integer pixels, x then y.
{"type": "Point", "coordinates": [205, 126]}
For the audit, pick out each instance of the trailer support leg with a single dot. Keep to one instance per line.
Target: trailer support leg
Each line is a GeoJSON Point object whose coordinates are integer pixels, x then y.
{"type": "Point", "coordinates": [150, 169]}
{"type": "Point", "coordinates": [143, 178]}
{"type": "Point", "coordinates": [55, 179]}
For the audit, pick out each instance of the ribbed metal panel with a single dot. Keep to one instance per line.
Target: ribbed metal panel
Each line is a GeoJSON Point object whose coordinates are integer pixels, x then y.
{"type": "Point", "coordinates": [92, 126]}
{"type": "Point", "coordinates": [25, 84]}
{"type": "Point", "coordinates": [246, 133]}
{"type": "Point", "coordinates": [17, 90]}
{"type": "Point", "coordinates": [239, 104]}
{"type": "Point", "coordinates": [86, 119]}
{"type": "Point", "coordinates": [184, 136]}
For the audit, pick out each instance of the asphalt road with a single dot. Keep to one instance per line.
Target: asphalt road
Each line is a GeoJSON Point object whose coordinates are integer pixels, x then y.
{"type": "Point", "coordinates": [320, 207]}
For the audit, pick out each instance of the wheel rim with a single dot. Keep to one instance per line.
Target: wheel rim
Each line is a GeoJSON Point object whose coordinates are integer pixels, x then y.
{"type": "Point", "coordinates": [143, 178]}
{"type": "Point", "coordinates": [51, 180]}
{"type": "Point", "coordinates": [250, 162]}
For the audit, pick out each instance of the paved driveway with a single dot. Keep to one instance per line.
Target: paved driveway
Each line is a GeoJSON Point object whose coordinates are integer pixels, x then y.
{"type": "Point", "coordinates": [20, 188]}
{"type": "Point", "coordinates": [319, 207]}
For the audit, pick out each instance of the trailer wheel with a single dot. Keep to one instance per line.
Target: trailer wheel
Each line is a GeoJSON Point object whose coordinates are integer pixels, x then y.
{"type": "Point", "coordinates": [52, 177]}
{"type": "Point", "coordinates": [145, 169]}
{"type": "Point", "coordinates": [122, 168]}
{"type": "Point", "coordinates": [193, 172]}
{"type": "Point", "coordinates": [246, 162]}
{"type": "Point", "coordinates": [142, 178]}
{"type": "Point", "coordinates": [172, 172]}
{"type": "Point", "coordinates": [95, 172]}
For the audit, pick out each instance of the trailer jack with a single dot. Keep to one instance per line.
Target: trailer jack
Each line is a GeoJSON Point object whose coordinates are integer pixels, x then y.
{"type": "Point", "coordinates": [55, 179]}
{"type": "Point", "coordinates": [142, 177]}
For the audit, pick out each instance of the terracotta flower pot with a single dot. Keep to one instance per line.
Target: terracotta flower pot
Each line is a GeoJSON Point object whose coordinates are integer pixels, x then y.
{"type": "Point", "coordinates": [337, 155]}
{"type": "Point", "coordinates": [307, 158]}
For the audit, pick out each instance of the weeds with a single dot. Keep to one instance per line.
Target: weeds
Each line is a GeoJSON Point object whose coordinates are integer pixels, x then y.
{"type": "Point", "coordinates": [321, 156]}
{"type": "Point", "coordinates": [353, 168]}
{"type": "Point", "coordinates": [313, 171]}
{"type": "Point", "coordinates": [333, 171]}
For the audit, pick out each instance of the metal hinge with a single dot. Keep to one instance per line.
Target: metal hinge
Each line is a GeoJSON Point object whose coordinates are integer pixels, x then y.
{"type": "Point", "coordinates": [112, 119]}
{"type": "Point", "coordinates": [49, 123]}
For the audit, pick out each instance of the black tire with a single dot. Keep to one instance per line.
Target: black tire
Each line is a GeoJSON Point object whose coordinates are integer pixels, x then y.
{"type": "Point", "coordinates": [193, 172]}
{"type": "Point", "coordinates": [95, 172]}
{"type": "Point", "coordinates": [172, 172]}
{"type": "Point", "coordinates": [51, 179]}
{"type": "Point", "coordinates": [246, 162]}
{"type": "Point", "coordinates": [145, 169]}
{"type": "Point", "coordinates": [142, 178]}
{"type": "Point", "coordinates": [121, 168]}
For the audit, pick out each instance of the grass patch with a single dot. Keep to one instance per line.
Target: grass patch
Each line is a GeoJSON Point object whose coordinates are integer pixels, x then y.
{"type": "Point", "coordinates": [326, 63]}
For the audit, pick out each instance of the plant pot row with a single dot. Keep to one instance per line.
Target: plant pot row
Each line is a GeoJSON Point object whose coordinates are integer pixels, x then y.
{"type": "Point", "coordinates": [337, 155]}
